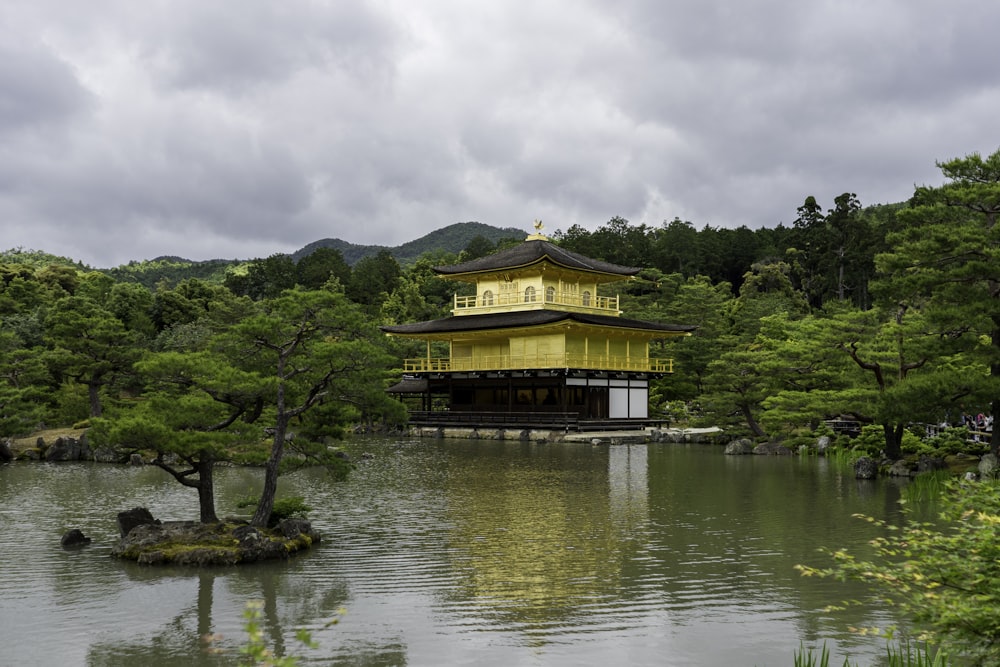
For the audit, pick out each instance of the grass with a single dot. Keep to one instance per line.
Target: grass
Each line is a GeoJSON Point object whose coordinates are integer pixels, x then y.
{"type": "Point", "coordinates": [927, 486]}
{"type": "Point", "coordinates": [804, 658]}
{"type": "Point", "coordinates": [49, 435]}
{"type": "Point", "coordinates": [842, 457]}
{"type": "Point", "coordinates": [904, 654]}
{"type": "Point", "coordinates": [20, 445]}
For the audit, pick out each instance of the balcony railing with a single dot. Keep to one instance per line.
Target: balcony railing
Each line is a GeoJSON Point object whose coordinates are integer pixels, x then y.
{"type": "Point", "coordinates": [466, 305]}
{"type": "Point", "coordinates": [543, 361]}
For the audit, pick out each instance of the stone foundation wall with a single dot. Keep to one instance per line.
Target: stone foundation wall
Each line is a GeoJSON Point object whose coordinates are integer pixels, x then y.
{"type": "Point", "coordinates": [710, 436]}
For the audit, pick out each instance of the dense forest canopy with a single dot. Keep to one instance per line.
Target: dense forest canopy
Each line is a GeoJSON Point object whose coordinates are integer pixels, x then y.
{"type": "Point", "coordinates": [888, 313]}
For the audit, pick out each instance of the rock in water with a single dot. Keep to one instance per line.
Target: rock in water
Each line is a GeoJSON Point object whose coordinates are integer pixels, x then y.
{"type": "Point", "coordinates": [74, 538]}
{"type": "Point", "coordinates": [865, 468]}
{"type": "Point", "coordinates": [129, 519]}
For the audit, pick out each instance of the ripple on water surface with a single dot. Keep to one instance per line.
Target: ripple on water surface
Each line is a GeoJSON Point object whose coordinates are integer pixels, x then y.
{"type": "Point", "coordinates": [487, 553]}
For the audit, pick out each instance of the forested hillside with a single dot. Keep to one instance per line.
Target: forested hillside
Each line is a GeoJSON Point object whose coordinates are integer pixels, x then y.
{"type": "Point", "coordinates": [453, 238]}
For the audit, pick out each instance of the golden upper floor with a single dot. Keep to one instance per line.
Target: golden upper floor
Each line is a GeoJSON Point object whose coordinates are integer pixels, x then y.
{"type": "Point", "coordinates": [536, 274]}
{"type": "Point", "coordinates": [532, 292]}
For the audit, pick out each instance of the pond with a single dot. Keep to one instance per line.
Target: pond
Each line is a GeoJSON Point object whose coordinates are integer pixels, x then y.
{"type": "Point", "coordinates": [458, 552]}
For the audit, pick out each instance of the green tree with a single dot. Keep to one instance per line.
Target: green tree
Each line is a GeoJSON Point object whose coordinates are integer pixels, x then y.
{"type": "Point", "coordinates": [736, 387]}
{"type": "Point", "coordinates": [676, 248]}
{"type": "Point", "coordinates": [132, 304]}
{"type": "Point", "coordinates": [408, 304]}
{"type": "Point", "coordinates": [299, 360]}
{"type": "Point", "coordinates": [58, 280]}
{"type": "Point", "coordinates": [884, 367]}
{"type": "Point", "coordinates": [89, 345]}
{"type": "Point", "coordinates": [373, 279]}
{"type": "Point", "coordinates": [692, 301]}
{"type": "Point", "coordinates": [437, 293]}
{"type": "Point", "coordinates": [846, 238]}
{"type": "Point", "coordinates": [833, 254]}
{"type": "Point", "coordinates": [20, 292]}
{"type": "Point", "coordinates": [742, 374]}
{"type": "Point", "coordinates": [622, 243]}
{"type": "Point", "coordinates": [808, 254]}
{"type": "Point", "coordinates": [263, 278]}
{"type": "Point", "coordinates": [812, 379]}
{"type": "Point", "coordinates": [95, 286]}
{"type": "Point", "coordinates": [766, 289]}
{"type": "Point", "coordinates": [313, 347]}
{"type": "Point", "coordinates": [315, 269]}
{"type": "Point", "coordinates": [23, 386]}
{"type": "Point", "coordinates": [196, 413]}
{"type": "Point", "coordinates": [946, 261]}
{"type": "Point", "coordinates": [888, 349]}
{"type": "Point", "coordinates": [577, 239]}
{"type": "Point", "coordinates": [196, 300]}
{"type": "Point", "coordinates": [479, 246]}
{"type": "Point", "coordinates": [727, 255]}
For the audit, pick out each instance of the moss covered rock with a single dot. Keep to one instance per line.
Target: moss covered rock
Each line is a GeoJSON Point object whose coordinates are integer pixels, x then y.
{"type": "Point", "coordinates": [223, 543]}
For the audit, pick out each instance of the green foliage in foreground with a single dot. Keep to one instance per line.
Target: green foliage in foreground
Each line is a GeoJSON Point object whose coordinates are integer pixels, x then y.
{"type": "Point", "coordinates": [255, 650]}
{"type": "Point", "coordinates": [904, 655]}
{"type": "Point", "coordinates": [942, 575]}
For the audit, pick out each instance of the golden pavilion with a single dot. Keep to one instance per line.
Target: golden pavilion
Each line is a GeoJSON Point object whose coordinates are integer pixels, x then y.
{"type": "Point", "coordinates": [537, 345]}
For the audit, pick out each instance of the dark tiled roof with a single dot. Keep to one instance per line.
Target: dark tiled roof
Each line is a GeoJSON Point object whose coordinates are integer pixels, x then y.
{"type": "Point", "coordinates": [409, 385]}
{"type": "Point", "coordinates": [534, 251]}
{"type": "Point", "coordinates": [464, 323]}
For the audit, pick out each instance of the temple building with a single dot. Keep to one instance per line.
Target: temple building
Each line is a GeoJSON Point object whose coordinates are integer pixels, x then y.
{"type": "Point", "coordinates": [538, 344]}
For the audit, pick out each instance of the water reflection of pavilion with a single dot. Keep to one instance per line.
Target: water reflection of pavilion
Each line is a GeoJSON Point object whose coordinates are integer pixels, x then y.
{"type": "Point", "coordinates": [537, 547]}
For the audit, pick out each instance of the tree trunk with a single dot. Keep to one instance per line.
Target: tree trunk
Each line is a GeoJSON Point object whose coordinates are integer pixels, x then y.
{"type": "Point", "coordinates": [206, 490]}
{"type": "Point", "coordinates": [755, 428]}
{"type": "Point", "coordinates": [995, 435]}
{"type": "Point", "coordinates": [94, 395]}
{"type": "Point", "coordinates": [995, 374]}
{"type": "Point", "coordinates": [893, 441]}
{"type": "Point", "coordinates": [266, 503]}
{"type": "Point", "coordinates": [840, 273]}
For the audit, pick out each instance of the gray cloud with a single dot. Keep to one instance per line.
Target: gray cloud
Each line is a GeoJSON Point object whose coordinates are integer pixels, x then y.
{"type": "Point", "coordinates": [39, 90]}
{"type": "Point", "coordinates": [202, 129]}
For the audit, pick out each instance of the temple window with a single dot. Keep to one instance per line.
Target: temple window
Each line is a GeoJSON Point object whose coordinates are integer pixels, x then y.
{"type": "Point", "coordinates": [550, 294]}
{"type": "Point", "coordinates": [529, 294]}
{"type": "Point", "coordinates": [586, 297]}
{"type": "Point", "coordinates": [488, 298]}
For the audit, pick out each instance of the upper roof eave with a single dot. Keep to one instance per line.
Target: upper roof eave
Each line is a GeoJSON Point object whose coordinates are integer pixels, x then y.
{"type": "Point", "coordinates": [512, 320]}
{"type": "Point", "coordinates": [534, 251]}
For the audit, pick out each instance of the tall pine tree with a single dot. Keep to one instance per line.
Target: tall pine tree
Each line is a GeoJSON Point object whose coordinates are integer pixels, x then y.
{"type": "Point", "coordinates": [946, 261]}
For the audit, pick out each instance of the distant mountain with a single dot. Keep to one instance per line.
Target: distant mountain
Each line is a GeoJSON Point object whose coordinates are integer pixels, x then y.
{"type": "Point", "coordinates": [453, 238]}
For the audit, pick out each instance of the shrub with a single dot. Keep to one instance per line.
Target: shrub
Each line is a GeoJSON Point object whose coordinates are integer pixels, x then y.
{"type": "Point", "coordinates": [914, 444]}
{"type": "Point", "coordinates": [293, 507]}
{"type": "Point", "coordinates": [942, 575]}
{"type": "Point", "coordinates": [871, 442]}
{"type": "Point", "coordinates": [956, 440]}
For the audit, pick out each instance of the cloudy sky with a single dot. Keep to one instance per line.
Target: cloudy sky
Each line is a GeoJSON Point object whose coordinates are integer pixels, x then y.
{"type": "Point", "coordinates": [242, 128]}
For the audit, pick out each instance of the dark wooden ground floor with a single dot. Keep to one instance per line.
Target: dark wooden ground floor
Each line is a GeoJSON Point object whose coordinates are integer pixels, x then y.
{"type": "Point", "coordinates": [569, 400]}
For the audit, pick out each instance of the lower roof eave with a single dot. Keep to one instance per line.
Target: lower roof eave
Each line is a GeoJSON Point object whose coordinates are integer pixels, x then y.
{"type": "Point", "coordinates": [543, 372]}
